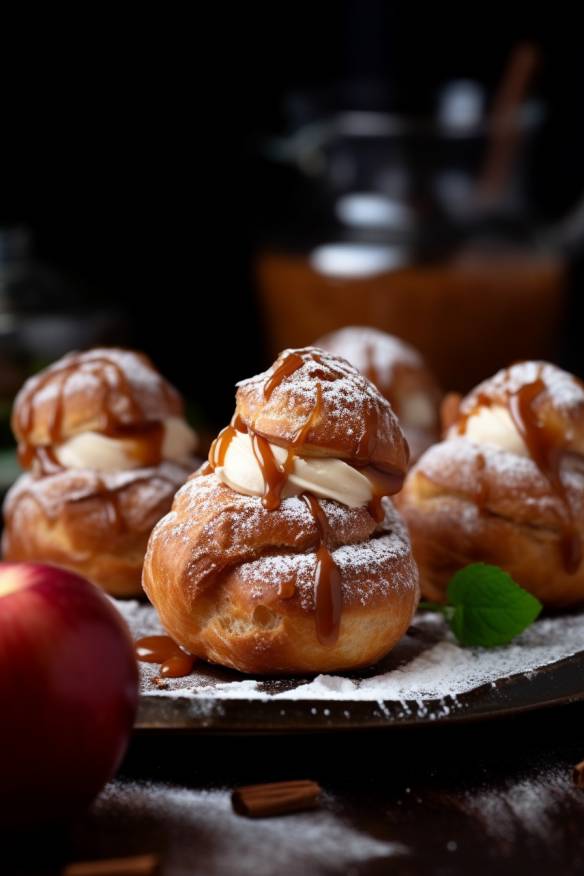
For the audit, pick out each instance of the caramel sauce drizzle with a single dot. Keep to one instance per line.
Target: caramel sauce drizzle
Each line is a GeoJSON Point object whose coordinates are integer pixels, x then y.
{"type": "Point", "coordinates": [383, 483]}
{"type": "Point", "coordinates": [482, 490]}
{"type": "Point", "coordinates": [289, 364]}
{"type": "Point", "coordinates": [328, 595]}
{"type": "Point", "coordinates": [544, 449]}
{"type": "Point", "coordinates": [174, 662]}
{"type": "Point", "coordinates": [547, 455]}
{"type": "Point", "coordinates": [275, 476]}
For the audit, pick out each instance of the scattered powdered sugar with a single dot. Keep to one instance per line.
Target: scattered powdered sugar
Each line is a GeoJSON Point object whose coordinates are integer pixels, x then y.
{"type": "Point", "coordinates": [454, 464]}
{"type": "Point", "coordinates": [362, 567]}
{"type": "Point", "coordinates": [201, 826]}
{"type": "Point", "coordinates": [447, 669]}
{"type": "Point", "coordinates": [426, 667]}
{"type": "Point", "coordinates": [530, 804]}
{"type": "Point", "coordinates": [565, 391]}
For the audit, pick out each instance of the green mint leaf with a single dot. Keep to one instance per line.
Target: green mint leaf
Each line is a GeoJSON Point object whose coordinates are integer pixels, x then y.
{"type": "Point", "coordinates": [490, 609]}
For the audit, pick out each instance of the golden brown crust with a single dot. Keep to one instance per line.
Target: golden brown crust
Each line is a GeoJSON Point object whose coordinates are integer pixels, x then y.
{"type": "Point", "coordinates": [399, 373]}
{"type": "Point", "coordinates": [559, 409]}
{"type": "Point", "coordinates": [96, 525]}
{"type": "Point", "coordinates": [100, 390]}
{"type": "Point", "coordinates": [344, 414]}
{"type": "Point", "coordinates": [233, 583]}
{"type": "Point", "coordinates": [465, 503]}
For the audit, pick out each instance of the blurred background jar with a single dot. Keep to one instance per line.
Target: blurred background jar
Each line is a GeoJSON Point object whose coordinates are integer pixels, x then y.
{"type": "Point", "coordinates": [421, 225]}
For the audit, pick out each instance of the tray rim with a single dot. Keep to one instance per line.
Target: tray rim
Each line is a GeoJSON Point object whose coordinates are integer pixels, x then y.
{"type": "Point", "coordinates": [490, 701]}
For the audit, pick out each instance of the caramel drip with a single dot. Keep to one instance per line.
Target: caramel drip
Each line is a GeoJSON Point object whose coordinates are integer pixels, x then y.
{"type": "Point", "coordinates": [286, 589]}
{"type": "Point", "coordinates": [482, 490]}
{"type": "Point", "coordinates": [483, 401]}
{"type": "Point", "coordinates": [545, 451]}
{"type": "Point", "coordinates": [238, 423]}
{"type": "Point", "coordinates": [175, 663]}
{"type": "Point", "coordinates": [275, 476]}
{"type": "Point", "coordinates": [543, 448]}
{"type": "Point", "coordinates": [42, 459]}
{"type": "Point", "coordinates": [289, 364]}
{"type": "Point", "coordinates": [302, 433]}
{"type": "Point", "coordinates": [220, 446]}
{"type": "Point", "coordinates": [328, 596]}
{"type": "Point", "coordinates": [383, 483]}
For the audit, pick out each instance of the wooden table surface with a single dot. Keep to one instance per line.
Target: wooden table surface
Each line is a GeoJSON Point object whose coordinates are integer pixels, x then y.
{"type": "Point", "coordinates": [490, 797]}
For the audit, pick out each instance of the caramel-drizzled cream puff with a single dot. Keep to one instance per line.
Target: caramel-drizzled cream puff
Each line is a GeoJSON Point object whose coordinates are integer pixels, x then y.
{"type": "Point", "coordinates": [104, 441]}
{"type": "Point", "coordinates": [282, 554]}
{"type": "Point", "coordinates": [400, 374]}
{"type": "Point", "coordinates": [506, 486]}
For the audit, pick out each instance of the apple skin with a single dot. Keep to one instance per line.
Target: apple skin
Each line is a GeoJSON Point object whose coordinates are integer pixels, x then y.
{"type": "Point", "coordinates": [68, 693]}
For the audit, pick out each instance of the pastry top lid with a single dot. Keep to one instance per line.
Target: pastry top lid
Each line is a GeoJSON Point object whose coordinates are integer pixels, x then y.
{"type": "Point", "coordinates": [320, 403]}
{"type": "Point", "coordinates": [101, 390]}
{"type": "Point", "coordinates": [553, 397]}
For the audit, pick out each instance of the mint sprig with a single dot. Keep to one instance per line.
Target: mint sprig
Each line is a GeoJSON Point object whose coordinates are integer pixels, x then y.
{"type": "Point", "coordinates": [485, 606]}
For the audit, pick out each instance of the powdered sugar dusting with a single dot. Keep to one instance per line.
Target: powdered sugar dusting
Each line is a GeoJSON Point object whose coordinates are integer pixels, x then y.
{"type": "Point", "coordinates": [529, 802]}
{"type": "Point", "coordinates": [363, 570]}
{"type": "Point", "coordinates": [315, 842]}
{"type": "Point", "coordinates": [565, 391]}
{"type": "Point", "coordinates": [427, 667]}
{"type": "Point", "coordinates": [347, 396]}
{"type": "Point", "coordinates": [454, 465]}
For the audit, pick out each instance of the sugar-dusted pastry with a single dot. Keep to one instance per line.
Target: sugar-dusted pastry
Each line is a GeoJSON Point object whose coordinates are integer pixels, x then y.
{"type": "Point", "coordinates": [400, 374]}
{"type": "Point", "coordinates": [105, 445]}
{"type": "Point", "coordinates": [282, 554]}
{"type": "Point", "coordinates": [506, 486]}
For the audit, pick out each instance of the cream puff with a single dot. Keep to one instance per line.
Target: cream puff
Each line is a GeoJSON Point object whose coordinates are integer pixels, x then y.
{"type": "Point", "coordinates": [282, 554]}
{"type": "Point", "coordinates": [506, 486]}
{"type": "Point", "coordinates": [105, 445]}
{"type": "Point", "coordinates": [401, 376]}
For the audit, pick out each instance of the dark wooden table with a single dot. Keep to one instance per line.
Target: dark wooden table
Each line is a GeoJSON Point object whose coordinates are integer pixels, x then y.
{"type": "Point", "coordinates": [489, 797]}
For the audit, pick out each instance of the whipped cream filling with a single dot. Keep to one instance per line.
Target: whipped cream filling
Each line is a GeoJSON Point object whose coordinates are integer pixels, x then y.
{"type": "Point", "coordinates": [107, 454]}
{"type": "Point", "coordinates": [492, 425]}
{"type": "Point", "coordinates": [325, 478]}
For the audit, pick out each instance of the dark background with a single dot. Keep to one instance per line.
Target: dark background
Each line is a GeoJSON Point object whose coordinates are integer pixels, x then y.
{"type": "Point", "coordinates": [130, 144]}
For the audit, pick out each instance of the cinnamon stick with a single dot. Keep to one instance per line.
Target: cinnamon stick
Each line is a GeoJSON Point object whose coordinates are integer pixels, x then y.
{"type": "Point", "coordinates": [578, 774]}
{"type": "Point", "coordinates": [277, 798]}
{"type": "Point", "coordinates": [137, 865]}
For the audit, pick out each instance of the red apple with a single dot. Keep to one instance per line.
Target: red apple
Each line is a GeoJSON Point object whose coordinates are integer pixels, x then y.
{"type": "Point", "coordinates": [68, 692]}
